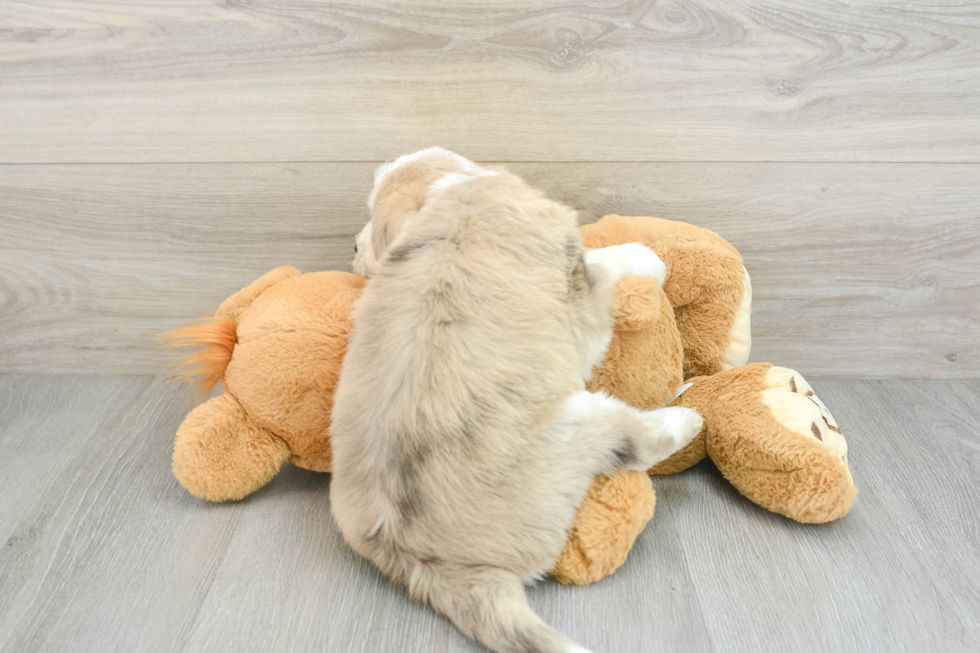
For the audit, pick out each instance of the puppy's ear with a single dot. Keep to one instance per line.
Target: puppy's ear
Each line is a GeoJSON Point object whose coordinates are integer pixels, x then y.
{"type": "Point", "coordinates": [379, 239]}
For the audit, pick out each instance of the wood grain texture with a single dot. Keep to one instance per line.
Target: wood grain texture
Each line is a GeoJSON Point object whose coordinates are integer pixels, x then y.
{"type": "Point", "coordinates": [117, 564]}
{"type": "Point", "coordinates": [111, 553]}
{"type": "Point", "coordinates": [913, 452]}
{"type": "Point", "coordinates": [264, 80]}
{"type": "Point", "coordinates": [34, 450]}
{"type": "Point", "coordinates": [865, 270]}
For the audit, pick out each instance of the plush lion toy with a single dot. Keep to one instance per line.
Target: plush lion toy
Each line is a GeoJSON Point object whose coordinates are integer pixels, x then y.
{"type": "Point", "coordinates": [279, 343]}
{"type": "Point", "coordinates": [765, 429]}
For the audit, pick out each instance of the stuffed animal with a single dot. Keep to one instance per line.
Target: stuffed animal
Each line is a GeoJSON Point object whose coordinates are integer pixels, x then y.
{"type": "Point", "coordinates": [278, 346]}
{"type": "Point", "coordinates": [765, 429]}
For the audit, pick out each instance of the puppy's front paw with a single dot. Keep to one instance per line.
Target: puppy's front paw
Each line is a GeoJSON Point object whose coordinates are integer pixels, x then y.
{"type": "Point", "coordinates": [642, 261]}
{"type": "Point", "coordinates": [628, 260]}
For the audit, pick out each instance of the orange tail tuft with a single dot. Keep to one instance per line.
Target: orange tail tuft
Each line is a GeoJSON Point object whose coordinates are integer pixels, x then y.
{"type": "Point", "coordinates": [207, 366]}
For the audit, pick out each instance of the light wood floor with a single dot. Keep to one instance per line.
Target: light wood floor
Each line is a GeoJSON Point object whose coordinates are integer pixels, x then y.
{"type": "Point", "coordinates": [104, 551]}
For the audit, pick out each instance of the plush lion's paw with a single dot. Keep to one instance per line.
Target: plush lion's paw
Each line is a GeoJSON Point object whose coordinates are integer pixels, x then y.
{"type": "Point", "coordinates": [794, 404]}
{"type": "Point", "coordinates": [631, 259]}
{"type": "Point", "coordinates": [776, 442]}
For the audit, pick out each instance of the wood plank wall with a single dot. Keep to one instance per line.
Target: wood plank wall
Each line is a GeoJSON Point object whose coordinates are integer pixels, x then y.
{"type": "Point", "coordinates": [155, 157]}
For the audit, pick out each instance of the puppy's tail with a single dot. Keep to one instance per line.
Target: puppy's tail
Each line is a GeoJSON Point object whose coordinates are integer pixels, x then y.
{"type": "Point", "coordinates": [488, 604]}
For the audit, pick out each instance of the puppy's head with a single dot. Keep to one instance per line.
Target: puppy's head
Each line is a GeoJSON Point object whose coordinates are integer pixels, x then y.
{"type": "Point", "coordinates": [401, 189]}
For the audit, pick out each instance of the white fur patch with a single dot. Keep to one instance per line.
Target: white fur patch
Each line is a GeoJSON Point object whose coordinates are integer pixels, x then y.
{"type": "Point", "coordinates": [584, 403]}
{"type": "Point", "coordinates": [365, 262]}
{"type": "Point", "coordinates": [593, 353]}
{"type": "Point", "coordinates": [676, 419]}
{"type": "Point", "coordinates": [628, 260]}
{"type": "Point", "coordinates": [575, 648]}
{"type": "Point", "coordinates": [454, 178]}
{"type": "Point", "coordinates": [467, 166]}
{"type": "Point", "coordinates": [679, 423]}
{"type": "Point", "coordinates": [405, 159]}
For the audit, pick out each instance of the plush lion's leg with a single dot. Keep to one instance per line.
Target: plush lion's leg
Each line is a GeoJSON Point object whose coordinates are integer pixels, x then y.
{"type": "Point", "coordinates": [776, 442]}
{"type": "Point", "coordinates": [220, 454]}
{"type": "Point", "coordinates": [772, 438]}
{"type": "Point", "coordinates": [611, 516]}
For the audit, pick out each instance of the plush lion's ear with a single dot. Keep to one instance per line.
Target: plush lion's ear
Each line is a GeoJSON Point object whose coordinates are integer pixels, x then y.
{"type": "Point", "coordinates": [637, 303]}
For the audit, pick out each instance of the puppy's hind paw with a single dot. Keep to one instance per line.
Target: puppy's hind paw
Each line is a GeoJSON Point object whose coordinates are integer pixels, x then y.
{"type": "Point", "coordinates": [668, 430]}
{"type": "Point", "coordinates": [682, 424]}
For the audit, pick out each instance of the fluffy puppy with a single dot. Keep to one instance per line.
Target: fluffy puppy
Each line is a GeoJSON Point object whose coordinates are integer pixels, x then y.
{"type": "Point", "coordinates": [463, 436]}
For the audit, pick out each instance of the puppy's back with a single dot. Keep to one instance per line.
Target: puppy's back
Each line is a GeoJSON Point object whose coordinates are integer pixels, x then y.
{"type": "Point", "coordinates": [461, 349]}
{"type": "Point", "coordinates": [461, 355]}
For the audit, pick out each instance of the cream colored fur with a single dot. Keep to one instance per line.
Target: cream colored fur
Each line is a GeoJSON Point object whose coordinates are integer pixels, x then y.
{"type": "Point", "coordinates": [740, 337]}
{"type": "Point", "coordinates": [463, 436]}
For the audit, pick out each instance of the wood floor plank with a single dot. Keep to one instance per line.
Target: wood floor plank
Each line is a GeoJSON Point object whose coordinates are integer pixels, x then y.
{"type": "Point", "coordinates": [925, 473]}
{"type": "Point", "coordinates": [866, 582]}
{"type": "Point", "coordinates": [121, 558]}
{"type": "Point", "coordinates": [302, 588]}
{"type": "Point", "coordinates": [45, 422]}
{"type": "Point", "coordinates": [41, 430]}
{"type": "Point", "coordinates": [705, 80]}
{"type": "Point", "coordinates": [864, 270]}
{"type": "Point", "coordinates": [125, 556]}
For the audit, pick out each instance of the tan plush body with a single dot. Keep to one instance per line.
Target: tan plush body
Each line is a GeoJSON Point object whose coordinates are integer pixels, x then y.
{"type": "Point", "coordinates": [279, 344]}
{"type": "Point", "coordinates": [289, 335]}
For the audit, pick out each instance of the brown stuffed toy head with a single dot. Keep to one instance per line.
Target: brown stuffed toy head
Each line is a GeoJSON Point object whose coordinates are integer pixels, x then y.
{"type": "Point", "coordinates": [707, 286]}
